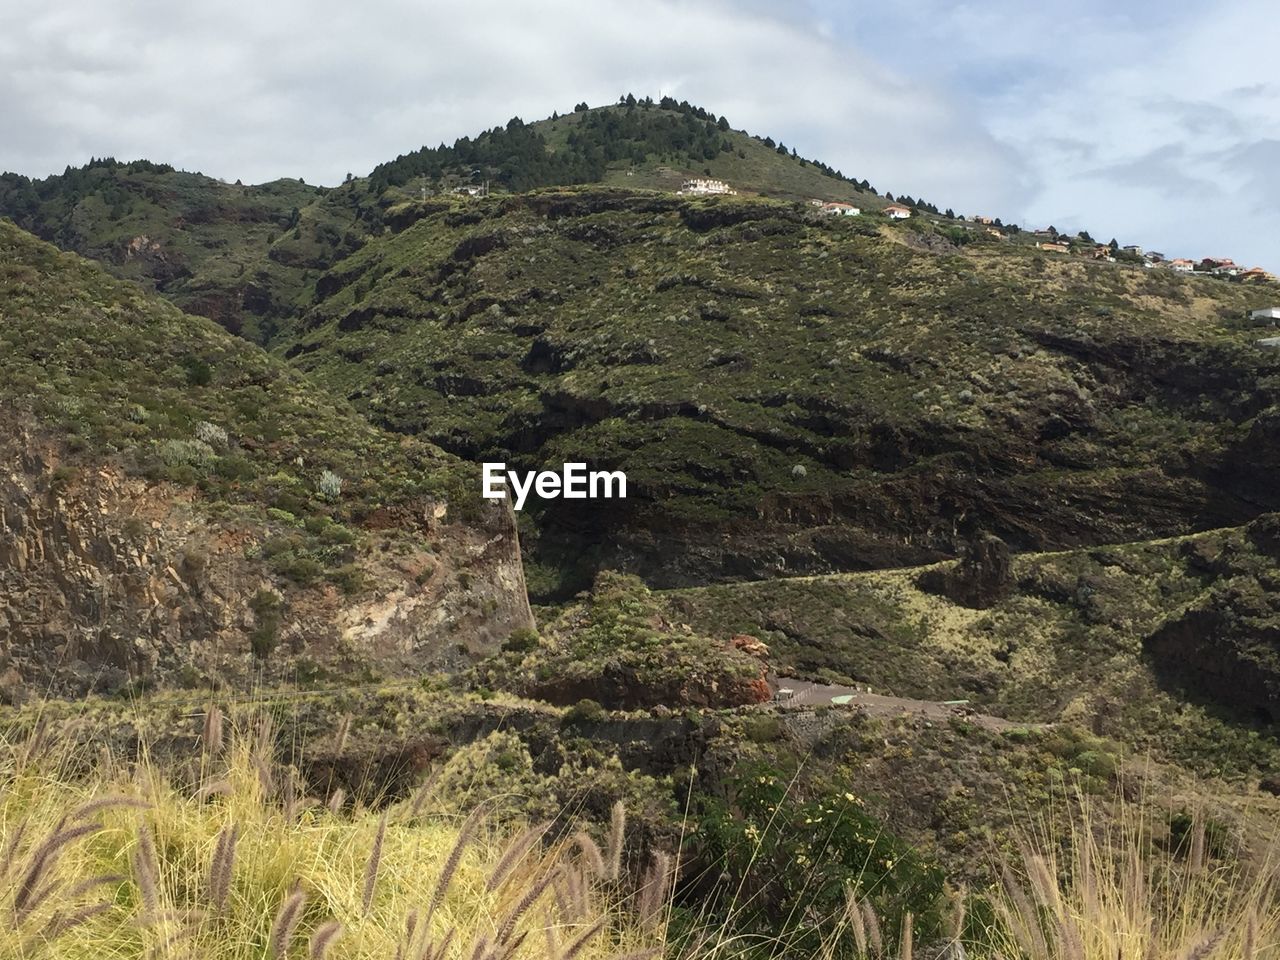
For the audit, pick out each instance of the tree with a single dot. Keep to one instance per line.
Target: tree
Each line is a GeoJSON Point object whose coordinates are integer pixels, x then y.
{"type": "Point", "coordinates": [723, 124]}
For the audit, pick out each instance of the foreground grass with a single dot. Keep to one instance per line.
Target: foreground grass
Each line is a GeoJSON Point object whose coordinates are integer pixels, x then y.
{"type": "Point", "coordinates": [224, 855]}
{"type": "Point", "coordinates": [228, 860]}
{"type": "Point", "coordinates": [1109, 894]}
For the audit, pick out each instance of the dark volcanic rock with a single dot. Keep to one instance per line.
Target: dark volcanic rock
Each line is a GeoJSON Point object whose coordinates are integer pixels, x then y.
{"type": "Point", "coordinates": [1225, 649]}
{"type": "Point", "coordinates": [981, 579]}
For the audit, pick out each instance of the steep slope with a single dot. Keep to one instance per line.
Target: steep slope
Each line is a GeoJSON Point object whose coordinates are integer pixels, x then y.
{"type": "Point", "coordinates": [240, 255]}
{"type": "Point", "coordinates": [178, 506]}
{"type": "Point", "coordinates": [789, 394]}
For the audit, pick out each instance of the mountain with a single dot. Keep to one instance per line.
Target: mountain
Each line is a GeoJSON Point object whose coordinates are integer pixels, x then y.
{"type": "Point", "coordinates": [991, 516]}
{"type": "Point", "coordinates": [248, 256]}
{"type": "Point", "coordinates": [640, 144]}
{"type": "Point", "coordinates": [178, 506]}
{"type": "Point", "coordinates": [790, 393]}
{"type": "Point", "coordinates": [244, 256]}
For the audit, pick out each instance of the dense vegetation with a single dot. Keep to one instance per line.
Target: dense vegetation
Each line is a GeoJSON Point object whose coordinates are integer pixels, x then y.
{"type": "Point", "coordinates": [521, 156]}
{"type": "Point", "coordinates": [126, 376]}
{"type": "Point", "coordinates": [790, 394]}
{"type": "Point", "coordinates": [241, 255]}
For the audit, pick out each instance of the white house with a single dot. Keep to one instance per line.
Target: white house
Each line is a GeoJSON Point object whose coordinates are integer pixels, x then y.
{"type": "Point", "coordinates": [1269, 315]}
{"type": "Point", "coordinates": [704, 186]}
{"type": "Point", "coordinates": [896, 211]}
{"type": "Point", "coordinates": [838, 209]}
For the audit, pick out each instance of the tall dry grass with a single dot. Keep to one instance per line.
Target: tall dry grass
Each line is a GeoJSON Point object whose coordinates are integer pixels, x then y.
{"type": "Point", "coordinates": [1121, 889]}
{"type": "Point", "coordinates": [223, 856]}
{"type": "Point", "coordinates": [129, 859]}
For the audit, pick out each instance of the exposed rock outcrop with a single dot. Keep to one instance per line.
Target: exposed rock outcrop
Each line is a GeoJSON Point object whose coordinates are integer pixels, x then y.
{"type": "Point", "coordinates": [1225, 649]}
{"type": "Point", "coordinates": [108, 579]}
{"type": "Point", "coordinates": [981, 579]}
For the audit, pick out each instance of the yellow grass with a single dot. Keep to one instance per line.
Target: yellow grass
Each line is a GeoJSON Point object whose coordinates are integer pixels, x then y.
{"type": "Point", "coordinates": [115, 859]}
{"type": "Point", "coordinates": [1124, 892]}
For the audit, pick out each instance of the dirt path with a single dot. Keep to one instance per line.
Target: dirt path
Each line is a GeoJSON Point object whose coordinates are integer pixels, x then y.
{"type": "Point", "coordinates": [805, 693]}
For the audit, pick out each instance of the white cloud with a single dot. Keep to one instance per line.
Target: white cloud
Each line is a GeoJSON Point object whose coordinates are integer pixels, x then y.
{"type": "Point", "coordinates": [1159, 129]}
{"type": "Point", "coordinates": [319, 89]}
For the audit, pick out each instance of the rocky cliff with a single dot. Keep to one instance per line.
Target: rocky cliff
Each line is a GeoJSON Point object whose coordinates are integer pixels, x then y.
{"type": "Point", "coordinates": [176, 508]}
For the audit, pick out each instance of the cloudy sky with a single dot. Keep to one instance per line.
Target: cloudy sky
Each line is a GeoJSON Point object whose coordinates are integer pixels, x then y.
{"type": "Point", "coordinates": [1160, 126]}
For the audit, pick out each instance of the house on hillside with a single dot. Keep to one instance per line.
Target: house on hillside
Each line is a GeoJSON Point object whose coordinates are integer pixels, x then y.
{"type": "Point", "coordinates": [985, 221]}
{"type": "Point", "coordinates": [993, 232]}
{"type": "Point", "coordinates": [838, 209]}
{"type": "Point", "coordinates": [1220, 266]}
{"type": "Point", "coordinates": [1103, 252]}
{"type": "Point", "coordinates": [1051, 247]}
{"type": "Point", "coordinates": [1132, 248]}
{"type": "Point", "coordinates": [705, 186]}
{"type": "Point", "coordinates": [896, 211]}
{"type": "Point", "coordinates": [1154, 256]}
{"type": "Point", "coordinates": [1182, 265]}
{"type": "Point", "coordinates": [1257, 275]}
{"type": "Point", "coordinates": [1269, 315]}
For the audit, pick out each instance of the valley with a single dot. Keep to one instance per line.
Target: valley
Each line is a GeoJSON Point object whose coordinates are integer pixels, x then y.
{"type": "Point", "coordinates": [1003, 524]}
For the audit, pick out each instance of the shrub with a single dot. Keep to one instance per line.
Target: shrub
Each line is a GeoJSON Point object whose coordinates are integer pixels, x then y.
{"type": "Point", "coordinates": [184, 453]}
{"type": "Point", "coordinates": [211, 433]}
{"type": "Point", "coordinates": [585, 711]}
{"type": "Point", "coordinates": [199, 373]}
{"type": "Point", "coordinates": [329, 485]}
{"type": "Point", "coordinates": [266, 606]}
{"type": "Point", "coordinates": [798, 857]}
{"type": "Point", "coordinates": [349, 578]}
{"type": "Point", "coordinates": [521, 640]}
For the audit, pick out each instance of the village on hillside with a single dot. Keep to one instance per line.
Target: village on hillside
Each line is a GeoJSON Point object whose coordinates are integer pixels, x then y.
{"type": "Point", "coordinates": [1048, 240]}
{"type": "Point", "coordinates": [980, 227]}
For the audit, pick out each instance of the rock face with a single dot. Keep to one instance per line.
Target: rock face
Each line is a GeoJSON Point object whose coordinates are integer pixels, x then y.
{"type": "Point", "coordinates": [1225, 647]}
{"type": "Point", "coordinates": [1225, 650]}
{"type": "Point", "coordinates": [108, 580]}
{"type": "Point", "coordinates": [981, 579]}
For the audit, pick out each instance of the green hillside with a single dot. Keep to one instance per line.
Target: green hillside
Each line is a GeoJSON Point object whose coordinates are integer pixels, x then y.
{"type": "Point", "coordinates": [933, 540]}
{"type": "Point", "coordinates": [634, 143]}
{"type": "Point", "coordinates": [244, 256]}
{"type": "Point", "coordinates": [792, 394]}
{"type": "Point", "coordinates": [125, 375]}
{"type": "Point", "coordinates": [183, 507]}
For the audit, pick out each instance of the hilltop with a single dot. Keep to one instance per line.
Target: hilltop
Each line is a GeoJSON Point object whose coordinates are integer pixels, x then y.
{"type": "Point", "coordinates": [248, 256]}
{"type": "Point", "coordinates": [642, 144]}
